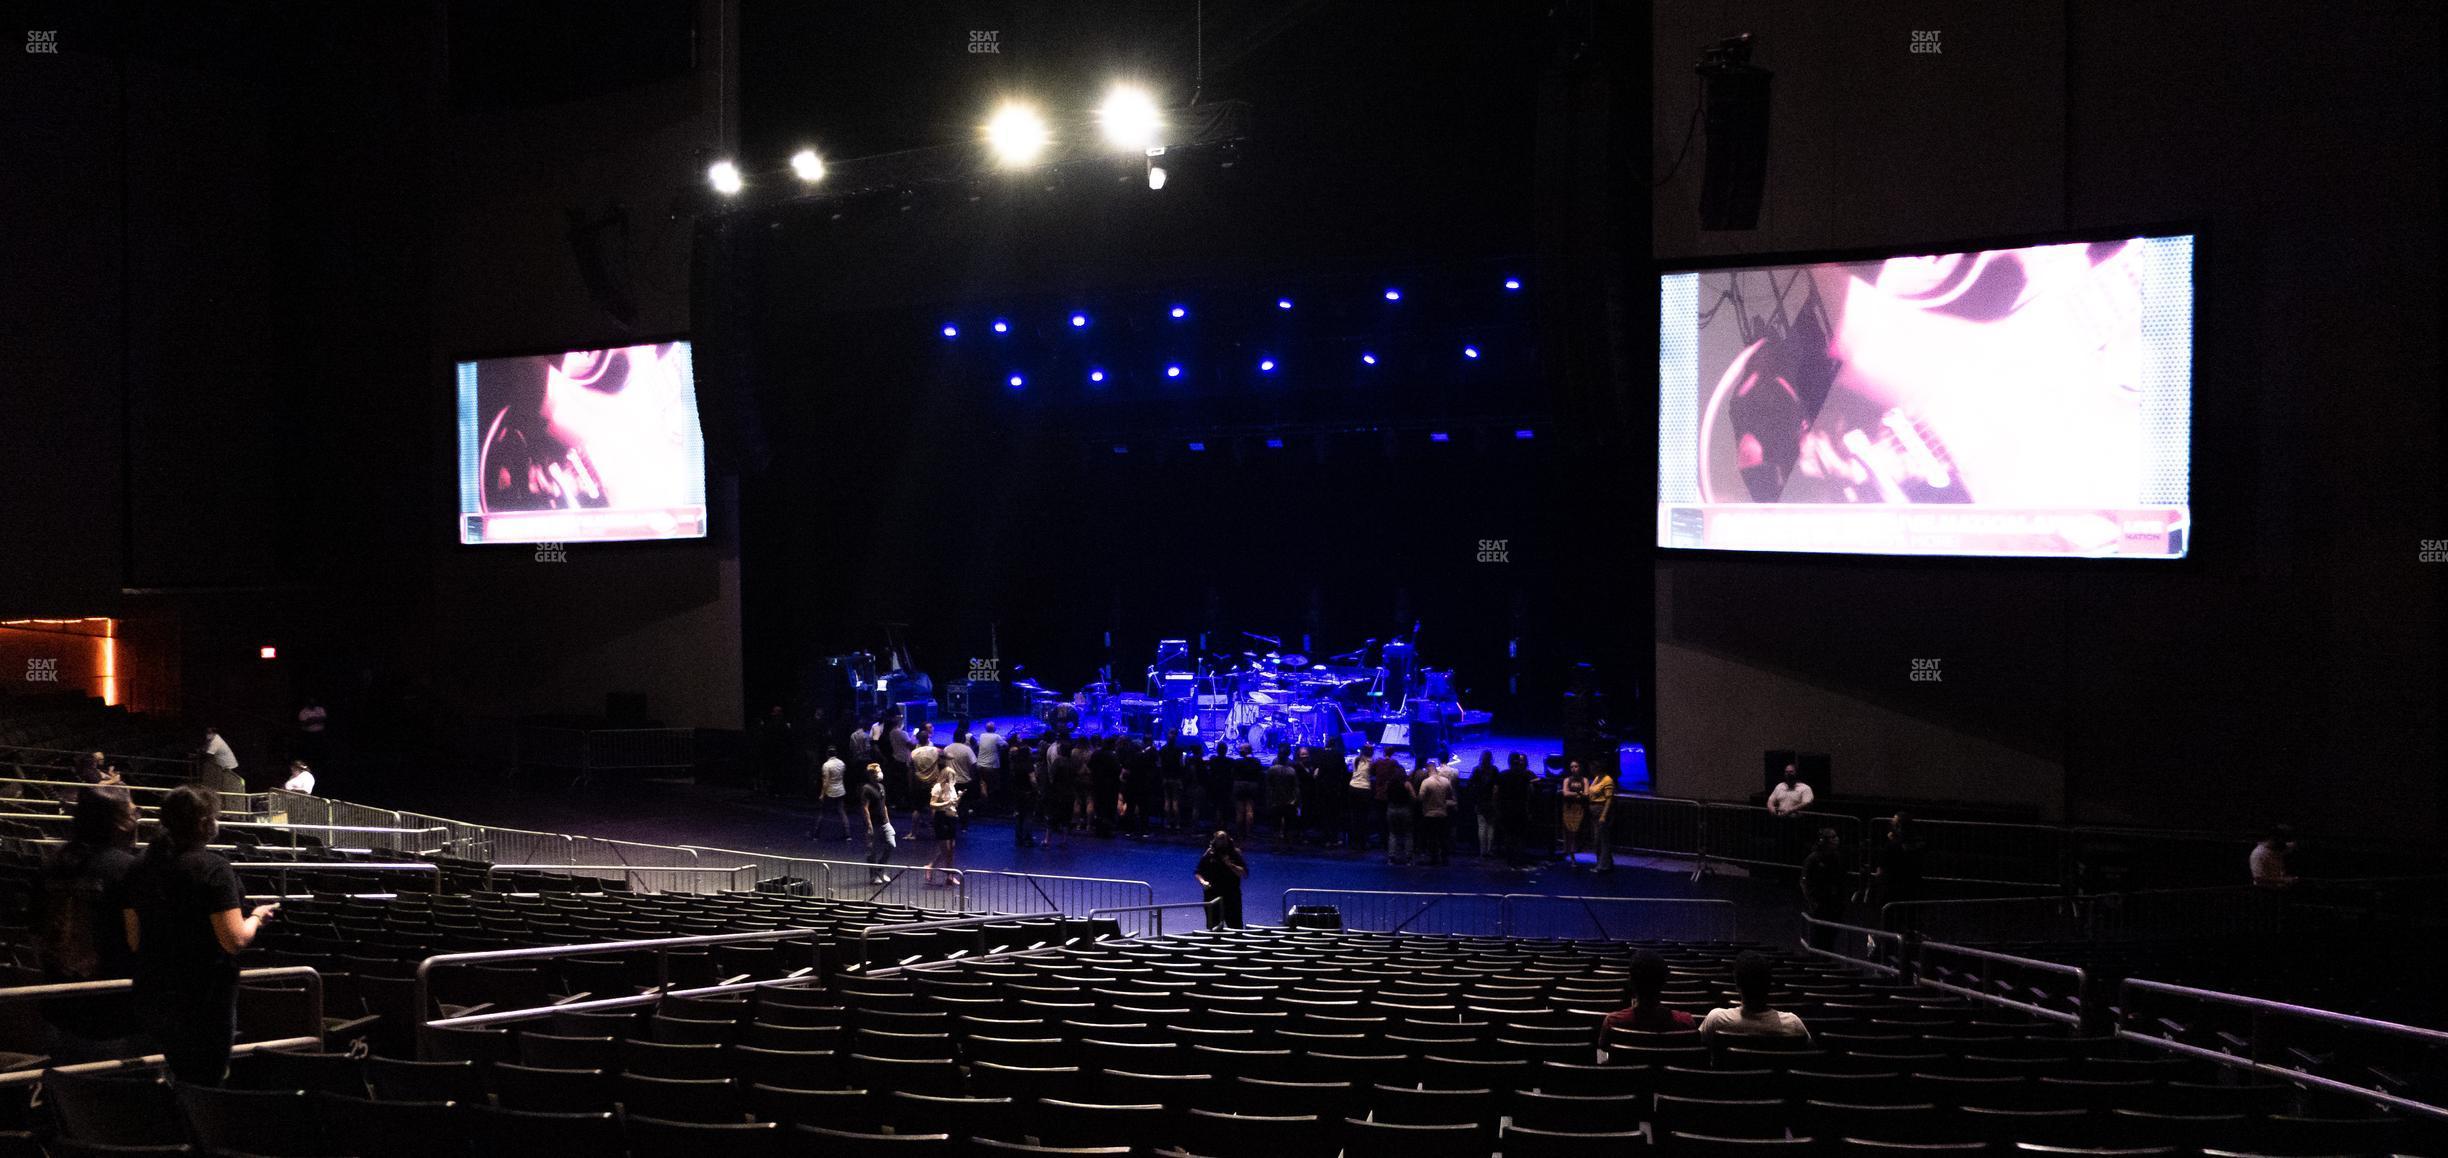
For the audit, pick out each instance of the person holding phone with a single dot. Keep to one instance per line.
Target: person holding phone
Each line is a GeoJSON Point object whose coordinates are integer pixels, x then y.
{"type": "Point", "coordinates": [191, 922]}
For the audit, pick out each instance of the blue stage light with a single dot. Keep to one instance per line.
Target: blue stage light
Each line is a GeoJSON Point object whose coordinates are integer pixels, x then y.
{"type": "Point", "coordinates": [1283, 303]}
{"type": "Point", "coordinates": [1173, 371]}
{"type": "Point", "coordinates": [1368, 359]}
{"type": "Point", "coordinates": [951, 331]}
{"type": "Point", "coordinates": [1512, 283]}
{"type": "Point", "coordinates": [1198, 447]}
{"type": "Point", "coordinates": [1266, 365]}
{"type": "Point", "coordinates": [1179, 312]}
{"type": "Point", "coordinates": [1002, 327]}
{"type": "Point", "coordinates": [1274, 444]}
{"type": "Point", "coordinates": [1525, 435]}
{"type": "Point", "coordinates": [1121, 449]}
{"type": "Point", "coordinates": [1439, 436]}
{"type": "Point", "coordinates": [1393, 295]}
{"type": "Point", "coordinates": [1017, 381]}
{"type": "Point", "coordinates": [1096, 375]}
{"type": "Point", "coordinates": [1470, 351]}
{"type": "Point", "coordinates": [1078, 320]}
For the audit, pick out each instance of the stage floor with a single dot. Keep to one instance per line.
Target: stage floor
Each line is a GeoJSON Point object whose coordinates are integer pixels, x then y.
{"type": "Point", "coordinates": [727, 817]}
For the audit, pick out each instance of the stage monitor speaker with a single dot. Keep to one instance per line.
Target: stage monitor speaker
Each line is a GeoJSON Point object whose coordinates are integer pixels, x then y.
{"type": "Point", "coordinates": [1734, 130]}
{"type": "Point", "coordinates": [1813, 768]}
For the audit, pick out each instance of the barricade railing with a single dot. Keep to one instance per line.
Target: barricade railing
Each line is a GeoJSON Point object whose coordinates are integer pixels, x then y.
{"type": "Point", "coordinates": [1743, 834]}
{"type": "Point", "coordinates": [2144, 914]}
{"type": "Point", "coordinates": [1665, 825]}
{"type": "Point", "coordinates": [249, 803]}
{"type": "Point", "coordinates": [1939, 966]}
{"type": "Point", "coordinates": [1155, 915]}
{"type": "Point", "coordinates": [1987, 853]}
{"type": "Point", "coordinates": [1881, 951]}
{"type": "Point", "coordinates": [781, 871]}
{"type": "Point", "coordinates": [310, 809]}
{"type": "Point", "coordinates": [312, 1038]}
{"type": "Point", "coordinates": [2255, 1027]}
{"type": "Point", "coordinates": [171, 766]}
{"type": "Point", "coordinates": [631, 876]}
{"type": "Point", "coordinates": [282, 868]}
{"type": "Point", "coordinates": [1379, 911]}
{"type": "Point", "coordinates": [1021, 892]}
{"type": "Point", "coordinates": [900, 884]}
{"type": "Point", "coordinates": [660, 947]}
{"type": "Point", "coordinates": [418, 838]}
{"type": "Point", "coordinates": [1620, 918]}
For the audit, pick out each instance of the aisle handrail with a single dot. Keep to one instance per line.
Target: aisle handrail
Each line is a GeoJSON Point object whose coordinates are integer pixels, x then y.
{"type": "Point", "coordinates": [2251, 1060]}
{"type": "Point", "coordinates": [347, 866]}
{"type": "Point", "coordinates": [1155, 908]}
{"type": "Point", "coordinates": [659, 946]}
{"type": "Point", "coordinates": [314, 1010]}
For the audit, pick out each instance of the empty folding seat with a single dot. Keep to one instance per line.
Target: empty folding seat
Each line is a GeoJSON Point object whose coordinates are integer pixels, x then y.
{"type": "Point", "coordinates": [1885, 1122]}
{"type": "Point", "coordinates": [1579, 1113]}
{"type": "Point", "coordinates": [844, 1109]}
{"type": "Point", "coordinates": [501, 1133]}
{"type": "Point", "coordinates": [666, 1060]}
{"type": "Point", "coordinates": [1060, 1122]}
{"type": "Point", "coordinates": [367, 1129]}
{"type": "Point", "coordinates": [274, 1069]}
{"type": "Point", "coordinates": [1025, 1084]}
{"type": "Point", "coordinates": [1679, 1144]}
{"type": "Point", "coordinates": [923, 1075]}
{"type": "Point", "coordinates": [555, 1051]}
{"type": "Point", "coordinates": [2071, 1127]}
{"type": "Point", "coordinates": [2004, 1093]}
{"type": "Point", "coordinates": [1692, 1082]}
{"type": "Point", "coordinates": [1569, 1144]}
{"type": "Point", "coordinates": [832, 1143]}
{"type": "Point", "coordinates": [1366, 1139]}
{"type": "Point", "coordinates": [2309, 1134]}
{"type": "Point", "coordinates": [680, 1099]}
{"type": "Point", "coordinates": [393, 1080]}
{"type": "Point", "coordinates": [270, 1123]}
{"type": "Point", "coordinates": [548, 1090]}
{"type": "Point", "coordinates": [961, 1117]}
{"type": "Point", "coordinates": [1720, 1117]}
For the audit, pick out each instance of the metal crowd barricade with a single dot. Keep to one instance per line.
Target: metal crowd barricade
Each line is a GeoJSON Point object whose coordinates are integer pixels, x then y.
{"type": "Point", "coordinates": [774, 873]}
{"type": "Point", "coordinates": [2263, 1021]}
{"type": "Point", "coordinates": [1019, 892]}
{"type": "Point", "coordinates": [630, 876]}
{"type": "Point", "coordinates": [1155, 914]}
{"type": "Point", "coordinates": [1377, 911]}
{"type": "Point", "coordinates": [1882, 951]}
{"type": "Point", "coordinates": [1620, 918]}
{"type": "Point", "coordinates": [2141, 915]}
{"type": "Point", "coordinates": [312, 1038]}
{"type": "Point", "coordinates": [282, 869]}
{"type": "Point", "coordinates": [1993, 973]}
{"type": "Point", "coordinates": [248, 803]}
{"type": "Point", "coordinates": [1665, 825]}
{"type": "Point", "coordinates": [1743, 834]}
{"type": "Point", "coordinates": [332, 832]}
{"type": "Point", "coordinates": [1986, 853]}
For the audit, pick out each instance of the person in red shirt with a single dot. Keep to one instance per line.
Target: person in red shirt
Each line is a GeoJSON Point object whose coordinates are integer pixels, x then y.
{"type": "Point", "coordinates": [1648, 1011]}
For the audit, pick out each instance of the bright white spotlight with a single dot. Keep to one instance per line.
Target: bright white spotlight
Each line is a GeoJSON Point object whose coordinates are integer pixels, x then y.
{"type": "Point", "coordinates": [1130, 118]}
{"type": "Point", "coordinates": [1016, 134]}
{"type": "Point", "coordinates": [808, 165]}
{"type": "Point", "coordinates": [725, 177]}
{"type": "Point", "coordinates": [1156, 176]}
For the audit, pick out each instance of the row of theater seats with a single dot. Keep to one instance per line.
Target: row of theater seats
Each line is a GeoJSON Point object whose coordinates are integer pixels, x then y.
{"type": "Point", "coordinates": [1260, 1043]}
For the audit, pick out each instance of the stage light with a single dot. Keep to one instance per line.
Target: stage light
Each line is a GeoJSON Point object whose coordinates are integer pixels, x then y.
{"type": "Point", "coordinates": [1017, 381]}
{"type": "Point", "coordinates": [1096, 375]}
{"type": "Point", "coordinates": [1283, 303]}
{"type": "Point", "coordinates": [1368, 359]}
{"type": "Point", "coordinates": [1471, 352]}
{"type": "Point", "coordinates": [1198, 448]}
{"type": "Point", "coordinates": [268, 651]}
{"type": "Point", "coordinates": [1525, 435]}
{"type": "Point", "coordinates": [1002, 327]}
{"type": "Point", "coordinates": [1439, 436]}
{"type": "Point", "coordinates": [1274, 444]}
{"type": "Point", "coordinates": [1078, 321]}
{"type": "Point", "coordinates": [1393, 295]}
{"type": "Point", "coordinates": [725, 177]}
{"type": "Point", "coordinates": [1180, 313]}
{"type": "Point", "coordinates": [1016, 134]}
{"type": "Point", "coordinates": [951, 331]}
{"type": "Point", "coordinates": [1173, 371]}
{"type": "Point", "coordinates": [1156, 176]}
{"type": "Point", "coordinates": [1130, 117]}
{"type": "Point", "coordinates": [808, 165]}
{"type": "Point", "coordinates": [1512, 283]}
{"type": "Point", "coordinates": [1266, 365]}
{"type": "Point", "coordinates": [1121, 449]}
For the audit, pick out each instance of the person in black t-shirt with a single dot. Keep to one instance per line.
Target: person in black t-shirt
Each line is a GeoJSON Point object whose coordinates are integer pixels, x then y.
{"type": "Point", "coordinates": [191, 924]}
{"type": "Point", "coordinates": [1219, 876]}
{"type": "Point", "coordinates": [81, 920]}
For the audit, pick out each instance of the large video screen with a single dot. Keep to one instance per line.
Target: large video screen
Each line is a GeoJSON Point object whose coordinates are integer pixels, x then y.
{"type": "Point", "coordinates": [2034, 401]}
{"type": "Point", "coordinates": [582, 446]}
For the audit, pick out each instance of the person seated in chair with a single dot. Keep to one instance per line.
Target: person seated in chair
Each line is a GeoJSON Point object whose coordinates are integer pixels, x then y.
{"type": "Point", "coordinates": [1755, 978]}
{"type": "Point", "coordinates": [1648, 1012]}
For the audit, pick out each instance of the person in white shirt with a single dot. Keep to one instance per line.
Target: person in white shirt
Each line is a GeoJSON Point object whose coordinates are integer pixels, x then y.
{"type": "Point", "coordinates": [301, 778]}
{"type": "Point", "coordinates": [1790, 795]}
{"type": "Point", "coordinates": [989, 761]}
{"type": "Point", "coordinates": [218, 759]}
{"type": "Point", "coordinates": [923, 760]}
{"type": "Point", "coordinates": [1755, 979]}
{"type": "Point", "coordinates": [833, 795]}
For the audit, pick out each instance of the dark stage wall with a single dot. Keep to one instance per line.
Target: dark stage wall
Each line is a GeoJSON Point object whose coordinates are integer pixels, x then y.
{"type": "Point", "coordinates": [2291, 668]}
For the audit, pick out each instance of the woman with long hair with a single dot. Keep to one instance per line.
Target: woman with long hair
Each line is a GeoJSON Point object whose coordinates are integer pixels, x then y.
{"type": "Point", "coordinates": [191, 924]}
{"type": "Point", "coordinates": [81, 921]}
{"type": "Point", "coordinates": [1576, 809]}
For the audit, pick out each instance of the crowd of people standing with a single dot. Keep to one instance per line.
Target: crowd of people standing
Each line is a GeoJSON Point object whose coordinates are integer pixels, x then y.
{"type": "Point", "coordinates": [1056, 786]}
